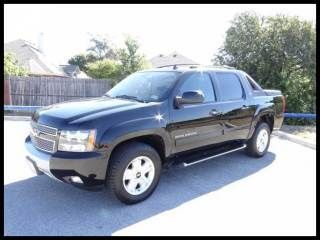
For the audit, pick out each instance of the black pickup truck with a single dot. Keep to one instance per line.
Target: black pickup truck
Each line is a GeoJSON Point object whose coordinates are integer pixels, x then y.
{"type": "Point", "coordinates": [151, 120]}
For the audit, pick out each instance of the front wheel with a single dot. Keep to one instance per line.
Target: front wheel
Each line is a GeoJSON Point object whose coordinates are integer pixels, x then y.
{"type": "Point", "coordinates": [134, 172]}
{"type": "Point", "coordinates": [259, 143]}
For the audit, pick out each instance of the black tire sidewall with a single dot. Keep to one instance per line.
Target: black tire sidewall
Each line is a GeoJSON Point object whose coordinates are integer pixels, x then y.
{"type": "Point", "coordinates": [253, 150]}
{"type": "Point", "coordinates": [266, 127]}
{"type": "Point", "coordinates": [128, 153]}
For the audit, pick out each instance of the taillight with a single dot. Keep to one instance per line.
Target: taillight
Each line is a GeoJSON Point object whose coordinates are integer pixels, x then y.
{"type": "Point", "coordinates": [283, 104]}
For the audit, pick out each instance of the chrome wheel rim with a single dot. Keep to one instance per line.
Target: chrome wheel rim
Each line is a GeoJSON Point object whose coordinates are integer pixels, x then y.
{"type": "Point", "coordinates": [139, 175]}
{"type": "Point", "coordinates": [262, 140]}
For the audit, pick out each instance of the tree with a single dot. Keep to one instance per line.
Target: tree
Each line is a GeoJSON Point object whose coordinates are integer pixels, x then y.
{"type": "Point", "coordinates": [131, 61]}
{"type": "Point", "coordinates": [104, 61]}
{"type": "Point", "coordinates": [279, 52]}
{"type": "Point", "coordinates": [101, 49]}
{"type": "Point", "coordinates": [12, 67]}
{"type": "Point", "coordinates": [241, 45]}
{"type": "Point", "coordinates": [106, 68]}
{"type": "Point", "coordinates": [82, 60]}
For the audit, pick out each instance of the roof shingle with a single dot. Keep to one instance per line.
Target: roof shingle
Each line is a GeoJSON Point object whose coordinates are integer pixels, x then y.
{"type": "Point", "coordinates": [32, 58]}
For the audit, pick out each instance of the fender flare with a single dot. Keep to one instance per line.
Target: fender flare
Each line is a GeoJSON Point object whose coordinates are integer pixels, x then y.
{"type": "Point", "coordinates": [260, 112]}
{"type": "Point", "coordinates": [122, 132]}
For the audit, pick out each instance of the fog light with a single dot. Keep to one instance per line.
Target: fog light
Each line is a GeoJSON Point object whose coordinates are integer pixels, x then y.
{"type": "Point", "coordinates": [76, 179]}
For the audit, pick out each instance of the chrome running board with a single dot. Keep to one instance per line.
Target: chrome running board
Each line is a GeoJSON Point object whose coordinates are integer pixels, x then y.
{"type": "Point", "coordinates": [213, 156]}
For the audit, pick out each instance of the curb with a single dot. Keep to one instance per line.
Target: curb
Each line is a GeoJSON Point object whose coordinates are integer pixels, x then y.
{"type": "Point", "coordinates": [294, 139]}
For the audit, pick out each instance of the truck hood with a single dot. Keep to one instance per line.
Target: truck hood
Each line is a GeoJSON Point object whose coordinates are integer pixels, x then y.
{"type": "Point", "coordinates": [70, 111]}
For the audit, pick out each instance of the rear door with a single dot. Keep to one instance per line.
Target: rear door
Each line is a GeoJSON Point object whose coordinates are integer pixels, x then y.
{"type": "Point", "coordinates": [195, 125]}
{"type": "Point", "coordinates": [234, 105]}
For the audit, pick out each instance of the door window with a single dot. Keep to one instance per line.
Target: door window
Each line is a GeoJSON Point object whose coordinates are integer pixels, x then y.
{"type": "Point", "coordinates": [199, 81]}
{"type": "Point", "coordinates": [230, 86]}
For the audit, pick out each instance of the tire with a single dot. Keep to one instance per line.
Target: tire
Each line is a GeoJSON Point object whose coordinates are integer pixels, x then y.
{"type": "Point", "coordinates": [252, 145]}
{"type": "Point", "coordinates": [128, 168]}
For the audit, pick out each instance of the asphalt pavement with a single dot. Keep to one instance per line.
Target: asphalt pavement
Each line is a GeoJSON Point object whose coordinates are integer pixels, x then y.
{"type": "Point", "coordinates": [229, 195]}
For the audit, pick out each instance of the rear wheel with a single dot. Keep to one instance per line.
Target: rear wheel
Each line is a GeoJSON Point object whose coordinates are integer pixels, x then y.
{"type": "Point", "coordinates": [134, 172]}
{"type": "Point", "coordinates": [258, 144]}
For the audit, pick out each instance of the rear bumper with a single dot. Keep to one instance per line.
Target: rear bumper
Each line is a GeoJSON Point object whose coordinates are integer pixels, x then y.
{"type": "Point", "coordinates": [278, 121]}
{"type": "Point", "coordinates": [90, 167]}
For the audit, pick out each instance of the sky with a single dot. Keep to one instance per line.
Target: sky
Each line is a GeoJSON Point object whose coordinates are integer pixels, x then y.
{"type": "Point", "coordinates": [196, 31]}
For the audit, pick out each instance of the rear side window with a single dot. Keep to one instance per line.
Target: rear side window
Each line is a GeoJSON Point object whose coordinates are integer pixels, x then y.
{"type": "Point", "coordinates": [199, 81]}
{"type": "Point", "coordinates": [252, 83]}
{"type": "Point", "coordinates": [230, 86]}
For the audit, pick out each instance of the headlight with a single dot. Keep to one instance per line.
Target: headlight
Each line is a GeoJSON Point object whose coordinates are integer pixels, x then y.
{"type": "Point", "coordinates": [77, 141]}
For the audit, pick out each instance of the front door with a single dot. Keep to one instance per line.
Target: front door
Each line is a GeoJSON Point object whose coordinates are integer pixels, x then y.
{"type": "Point", "coordinates": [196, 125]}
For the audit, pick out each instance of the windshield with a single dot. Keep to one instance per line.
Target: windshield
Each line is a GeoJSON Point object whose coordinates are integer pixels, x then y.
{"type": "Point", "coordinates": [145, 86]}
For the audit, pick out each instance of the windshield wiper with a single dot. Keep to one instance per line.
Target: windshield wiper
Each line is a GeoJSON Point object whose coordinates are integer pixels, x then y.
{"type": "Point", "coordinates": [130, 97]}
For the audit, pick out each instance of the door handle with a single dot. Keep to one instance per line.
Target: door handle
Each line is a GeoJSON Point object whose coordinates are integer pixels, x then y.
{"type": "Point", "coordinates": [214, 112]}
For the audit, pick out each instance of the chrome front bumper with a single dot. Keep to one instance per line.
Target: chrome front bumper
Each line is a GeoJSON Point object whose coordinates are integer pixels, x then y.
{"type": "Point", "coordinates": [40, 161]}
{"type": "Point", "coordinates": [61, 166]}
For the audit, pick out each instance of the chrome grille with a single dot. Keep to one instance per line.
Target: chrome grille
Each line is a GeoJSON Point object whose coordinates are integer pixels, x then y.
{"type": "Point", "coordinates": [43, 137]}
{"type": "Point", "coordinates": [45, 129]}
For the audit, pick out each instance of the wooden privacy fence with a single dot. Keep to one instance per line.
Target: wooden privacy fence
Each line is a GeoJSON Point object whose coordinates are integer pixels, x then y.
{"type": "Point", "coordinates": [43, 91]}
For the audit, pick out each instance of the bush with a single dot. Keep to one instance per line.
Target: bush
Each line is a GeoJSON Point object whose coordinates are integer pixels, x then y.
{"type": "Point", "coordinates": [12, 67]}
{"type": "Point", "coordinates": [108, 69]}
{"type": "Point", "coordinates": [299, 121]}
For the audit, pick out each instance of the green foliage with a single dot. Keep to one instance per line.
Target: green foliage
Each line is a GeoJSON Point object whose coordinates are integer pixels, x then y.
{"type": "Point", "coordinates": [131, 61]}
{"type": "Point", "coordinates": [82, 60]}
{"type": "Point", "coordinates": [278, 52]}
{"type": "Point", "coordinates": [108, 69]}
{"type": "Point", "coordinates": [104, 61]}
{"type": "Point", "coordinates": [101, 49]}
{"type": "Point", "coordinates": [299, 121]}
{"type": "Point", "coordinates": [11, 66]}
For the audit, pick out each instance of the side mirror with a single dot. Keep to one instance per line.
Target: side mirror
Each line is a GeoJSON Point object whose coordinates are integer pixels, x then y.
{"type": "Point", "coordinates": [189, 97]}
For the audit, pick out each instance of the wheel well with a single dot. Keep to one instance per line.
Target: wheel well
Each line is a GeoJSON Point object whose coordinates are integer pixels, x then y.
{"type": "Point", "coordinates": [154, 141]}
{"type": "Point", "coordinates": [268, 119]}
